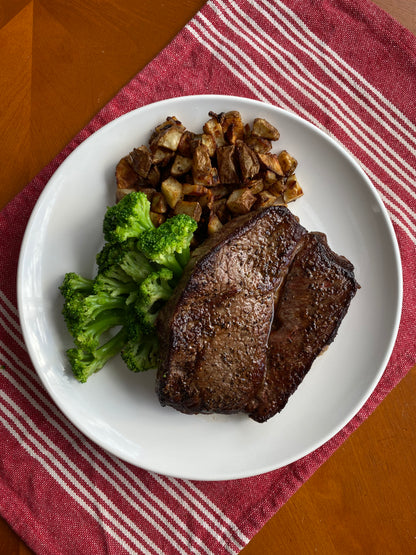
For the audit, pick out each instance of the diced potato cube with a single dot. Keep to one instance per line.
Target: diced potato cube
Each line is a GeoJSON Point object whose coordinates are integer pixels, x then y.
{"type": "Point", "coordinates": [256, 186]}
{"type": "Point", "coordinates": [233, 127]}
{"type": "Point", "coordinates": [293, 189]}
{"type": "Point", "coordinates": [214, 224]}
{"type": "Point", "coordinates": [193, 209]}
{"type": "Point", "coordinates": [153, 177]}
{"type": "Point", "coordinates": [266, 199]}
{"type": "Point", "coordinates": [220, 191]}
{"type": "Point", "coordinates": [194, 190]}
{"type": "Point", "coordinates": [258, 144]}
{"type": "Point", "coordinates": [159, 203]}
{"type": "Point", "coordinates": [220, 208]}
{"type": "Point", "coordinates": [247, 160]}
{"type": "Point", "coordinates": [126, 177]}
{"type": "Point", "coordinates": [287, 162]}
{"type": "Point", "coordinates": [162, 157]}
{"type": "Point", "coordinates": [262, 128]}
{"type": "Point", "coordinates": [181, 165]}
{"type": "Point", "coordinates": [214, 128]}
{"type": "Point", "coordinates": [201, 166]}
{"type": "Point", "coordinates": [206, 201]}
{"type": "Point", "coordinates": [277, 187]}
{"type": "Point", "coordinates": [226, 165]}
{"type": "Point", "coordinates": [141, 160]}
{"type": "Point", "coordinates": [167, 135]}
{"type": "Point", "coordinates": [240, 201]}
{"type": "Point", "coordinates": [209, 141]}
{"type": "Point", "coordinates": [172, 191]}
{"type": "Point", "coordinates": [157, 218]}
{"type": "Point", "coordinates": [271, 162]}
{"type": "Point", "coordinates": [185, 147]}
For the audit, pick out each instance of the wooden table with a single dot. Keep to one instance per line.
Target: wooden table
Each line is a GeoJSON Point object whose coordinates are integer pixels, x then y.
{"type": "Point", "coordinates": [61, 61]}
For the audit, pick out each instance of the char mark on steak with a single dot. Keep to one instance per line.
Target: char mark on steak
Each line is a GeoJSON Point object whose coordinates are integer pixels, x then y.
{"type": "Point", "coordinates": [256, 304]}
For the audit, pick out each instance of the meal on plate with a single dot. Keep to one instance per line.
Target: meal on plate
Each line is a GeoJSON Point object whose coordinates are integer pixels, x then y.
{"type": "Point", "coordinates": [206, 274]}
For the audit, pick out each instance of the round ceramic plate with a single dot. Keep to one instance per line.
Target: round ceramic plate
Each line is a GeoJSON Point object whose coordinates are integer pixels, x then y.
{"type": "Point", "coordinates": [118, 409]}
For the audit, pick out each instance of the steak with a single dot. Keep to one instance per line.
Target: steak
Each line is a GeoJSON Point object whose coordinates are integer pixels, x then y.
{"type": "Point", "coordinates": [258, 301]}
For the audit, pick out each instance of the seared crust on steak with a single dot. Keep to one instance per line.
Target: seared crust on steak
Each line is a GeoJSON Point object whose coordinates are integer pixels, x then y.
{"type": "Point", "coordinates": [256, 304]}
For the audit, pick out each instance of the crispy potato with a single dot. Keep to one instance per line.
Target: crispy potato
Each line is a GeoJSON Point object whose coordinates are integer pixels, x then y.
{"type": "Point", "coordinates": [201, 166]}
{"type": "Point", "coordinates": [271, 162]}
{"type": "Point", "coordinates": [141, 160]}
{"type": "Point", "coordinates": [172, 190]}
{"type": "Point", "coordinates": [226, 170]}
{"type": "Point", "coordinates": [159, 203]}
{"type": "Point", "coordinates": [264, 129]}
{"type": "Point", "coordinates": [240, 201]}
{"type": "Point", "coordinates": [287, 162]}
{"type": "Point", "coordinates": [233, 127]}
{"type": "Point", "coordinates": [194, 190]}
{"type": "Point", "coordinates": [248, 161]}
{"type": "Point", "coordinates": [193, 209]}
{"type": "Point", "coordinates": [162, 157]}
{"type": "Point", "coordinates": [126, 177]}
{"type": "Point", "coordinates": [181, 165]}
{"type": "Point", "coordinates": [167, 135]}
{"type": "Point", "coordinates": [255, 186]}
{"type": "Point", "coordinates": [157, 218]}
{"type": "Point", "coordinates": [293, 189]}
{"type": "Point", "coordinates": [214, 224]}
{"type": "Point", "coordinates": [214, 128]}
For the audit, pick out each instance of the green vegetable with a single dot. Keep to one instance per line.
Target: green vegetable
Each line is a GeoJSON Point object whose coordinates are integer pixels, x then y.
{"type": "Point", "coordinates": [86, 362]}
{"type": "Point", "coordinates": [168, 245]}
{"type": "Point", "coordinates": [129, 218]}
{"type": "Point", "coordinates": [137, 271]}
{"type": "Point", "coordinates": [153, 292]}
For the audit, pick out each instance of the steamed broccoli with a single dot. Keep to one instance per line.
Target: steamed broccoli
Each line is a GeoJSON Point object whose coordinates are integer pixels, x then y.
{"type": "Point", "coordinates": [74, 283]}
{"type": "Point", "coordinates": [84, 363]}
{"type": "Point", "coordinates": [115, 282]}
{"type": "Point", "coordinates": [153, 292]}
{"type": "Point", "coordinates": [141, 355]}
{"type": "Point", "coordinates": [129, 218]}
{"type": "Point", "coordinates": [137, 270]}
{"type": "Point", "coordinates": [168, 245]}
{"type": "Point", "coordinates": [126, 256]}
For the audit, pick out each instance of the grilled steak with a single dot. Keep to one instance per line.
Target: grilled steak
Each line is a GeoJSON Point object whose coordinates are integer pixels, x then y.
{"type": "Point", "coordinates": [255, 306]}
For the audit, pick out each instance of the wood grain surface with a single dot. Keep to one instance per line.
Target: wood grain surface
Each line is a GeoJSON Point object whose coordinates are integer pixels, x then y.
{"type": "Point", "coordinates": [61, 61]}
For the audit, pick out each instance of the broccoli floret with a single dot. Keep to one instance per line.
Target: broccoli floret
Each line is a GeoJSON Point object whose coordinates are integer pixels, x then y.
{"type": "Point", "coordinates": [74, 283]}
{"type": "Point", "coordinates": [85, 309]}
{"type": "Point", "coordinates": [114, 282]}
{"type": "Point", "coordinates": [141, 355]}
{"type": "Point", "coordinates": [168, 244]}
{"type": "Point", "coordinates": [87, 334]}
{"type": "Point", "coordinates": [126, 256]}
{"type": "Point", "coordinates": [129, 218]}
{"type": "Point", "coordinates": [153, 292]}
{"type": "Point", "coordinates": [84, 363]}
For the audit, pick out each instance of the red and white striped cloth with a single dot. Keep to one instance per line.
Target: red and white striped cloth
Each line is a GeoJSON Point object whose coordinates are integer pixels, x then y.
{"type": "Point", "coordinates": [350, 69]}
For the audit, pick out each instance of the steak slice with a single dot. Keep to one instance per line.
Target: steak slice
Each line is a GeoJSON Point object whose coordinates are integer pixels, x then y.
{"type": "Point", "coordinates": [312, 303]}
{"type": "Point", "coordinates": [214, 330]}
{"type": "Point", "coordinates": [257, 303]}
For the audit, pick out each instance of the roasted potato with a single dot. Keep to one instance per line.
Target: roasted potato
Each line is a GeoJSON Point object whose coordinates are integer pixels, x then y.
{"type": "Point", "coordinates": [226, 170]}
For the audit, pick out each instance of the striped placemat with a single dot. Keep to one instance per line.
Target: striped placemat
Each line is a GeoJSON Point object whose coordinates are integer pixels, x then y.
{"type": "Point", "coordinates": [348, 68]}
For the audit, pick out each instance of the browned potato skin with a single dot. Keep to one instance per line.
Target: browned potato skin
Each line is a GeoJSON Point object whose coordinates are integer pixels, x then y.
{"type": "Point", "coordinates": [226, 170]}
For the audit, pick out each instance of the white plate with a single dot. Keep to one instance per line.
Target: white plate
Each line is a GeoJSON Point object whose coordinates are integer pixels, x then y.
{"type": "Point", "coordinates": [119, 410]}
